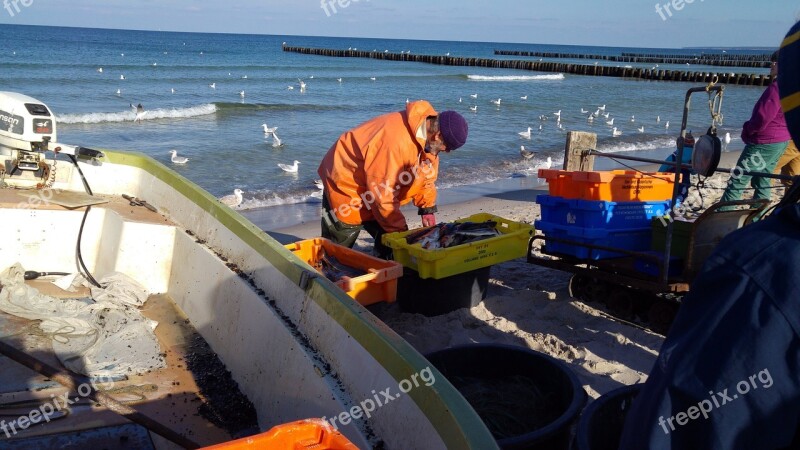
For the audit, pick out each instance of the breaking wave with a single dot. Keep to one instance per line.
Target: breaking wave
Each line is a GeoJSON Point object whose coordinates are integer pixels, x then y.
{"type": "Point", "coordinates": [130, 116]}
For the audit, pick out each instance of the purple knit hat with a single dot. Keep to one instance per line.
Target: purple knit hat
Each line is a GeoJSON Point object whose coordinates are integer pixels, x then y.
{"type": "Point", "coordinates": [454, 129]}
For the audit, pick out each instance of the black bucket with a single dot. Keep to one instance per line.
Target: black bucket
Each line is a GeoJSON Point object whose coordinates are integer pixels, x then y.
{"type": "Point", "coordinates": [531, 401]}
{"type": "Point", "coordinates": [600, 425]}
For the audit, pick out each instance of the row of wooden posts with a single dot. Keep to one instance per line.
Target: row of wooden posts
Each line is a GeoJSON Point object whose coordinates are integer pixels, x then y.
{"type": "Point", "coordinates": [751, 61]}
{"type": "Point", "coordinates": [546, 66]}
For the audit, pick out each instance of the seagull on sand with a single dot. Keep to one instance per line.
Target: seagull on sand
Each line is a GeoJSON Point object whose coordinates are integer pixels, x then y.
{"type": "Point", "coordinates": [178, 159]}
{"type": "Point", "coordinates": [525, 134]}
{"type": "Point", "coordinates": [139, 111]}
{"type": "Point", "coordinates": [233, 200]}
{"type": "Point", "coordinates": [526, 154]}
{"type": "Point", "coordinates": [288, 168]}
{"type": "Point", "coordinates": [727, 140]}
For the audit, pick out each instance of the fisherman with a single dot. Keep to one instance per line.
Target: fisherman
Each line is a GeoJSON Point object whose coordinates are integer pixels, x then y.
{"type": "Point", "coordinates": [381, 164]}
{"type": "Point", "coordinates": [726, 377]}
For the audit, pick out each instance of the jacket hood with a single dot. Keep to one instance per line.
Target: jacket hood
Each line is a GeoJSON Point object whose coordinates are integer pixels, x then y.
{"type": "Point", "coordinates": [416, 113]}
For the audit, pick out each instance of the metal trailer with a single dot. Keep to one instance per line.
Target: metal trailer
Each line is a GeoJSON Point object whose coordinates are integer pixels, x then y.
{"type": "Point", "coordinates": [628, 292]}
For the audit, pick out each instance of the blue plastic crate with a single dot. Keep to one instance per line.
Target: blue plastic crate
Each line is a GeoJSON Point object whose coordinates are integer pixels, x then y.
{"type": "Point", "coordinates": [626, 239]}
{"type": "Point", "coordinates": [600, 213]}
{"type": "Point", "coordinates": [653, 268]}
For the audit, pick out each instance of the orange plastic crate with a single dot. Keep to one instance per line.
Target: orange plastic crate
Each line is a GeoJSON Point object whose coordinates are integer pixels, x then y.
{"type": "Point", "coordinates": [308, 434]}
{"type": "Point", "coordinates": [379, 284]}
{"type": "Point", "coordinates": [610, 185]}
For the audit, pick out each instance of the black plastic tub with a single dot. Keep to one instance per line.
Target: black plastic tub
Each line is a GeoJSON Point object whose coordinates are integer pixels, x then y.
{"type": "Point", "coordinates": [433, 297]}
{"type": "Point", "coordinates": [537, 396]}
{"type": "Point", "coordinates": [600, 425]}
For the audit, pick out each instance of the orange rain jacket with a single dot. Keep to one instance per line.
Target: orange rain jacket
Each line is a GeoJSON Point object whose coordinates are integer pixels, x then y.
{"type": "Point", "coordinates": [378, 166]}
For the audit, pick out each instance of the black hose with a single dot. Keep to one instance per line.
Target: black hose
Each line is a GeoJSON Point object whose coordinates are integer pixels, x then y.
{"type": "Point", "coordinates": [81, 265]}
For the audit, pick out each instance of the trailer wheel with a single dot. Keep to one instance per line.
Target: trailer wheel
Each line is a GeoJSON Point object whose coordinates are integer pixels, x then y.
{"type": "Point", "coordinates": [662, 313]}
{"type": "Point", "coordinates": [622, 302]}
{"type": "Point", "coordinates": [579, 286]}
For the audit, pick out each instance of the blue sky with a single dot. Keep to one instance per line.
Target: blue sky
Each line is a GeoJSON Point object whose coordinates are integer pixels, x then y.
{"type": "Point", "coordinates": [630, 23]}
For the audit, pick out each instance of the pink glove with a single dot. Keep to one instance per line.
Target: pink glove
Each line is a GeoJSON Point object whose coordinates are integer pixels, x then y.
{"type": "Point", "coordinates": [428, 220]}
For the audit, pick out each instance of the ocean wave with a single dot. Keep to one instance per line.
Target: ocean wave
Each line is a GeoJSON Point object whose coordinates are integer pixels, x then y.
{"type": "Point", "coordinates": [130, 116]}
{"type": "Point", "coordinates": [618, 146]}
{"type": "Point", "coordinates": [557, 76]}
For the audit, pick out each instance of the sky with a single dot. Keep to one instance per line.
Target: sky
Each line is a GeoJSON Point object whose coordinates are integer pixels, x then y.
{"type": "Point", "coordinates": [621, 23]}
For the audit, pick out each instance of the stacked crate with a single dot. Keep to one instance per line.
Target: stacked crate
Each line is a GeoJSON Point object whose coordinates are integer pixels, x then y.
{"type": "Point", "coordinates": [610, 208]}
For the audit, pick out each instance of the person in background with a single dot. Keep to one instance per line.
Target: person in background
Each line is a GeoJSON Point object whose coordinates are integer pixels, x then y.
{"type": "Point", "coordinates": [381, 164]}
{"type": "Point", "coordinates": [726, 377]}
{"type": "Point", "coordinates": [789, 163]}
{"type": "Point", "coordinates": [766, 138]}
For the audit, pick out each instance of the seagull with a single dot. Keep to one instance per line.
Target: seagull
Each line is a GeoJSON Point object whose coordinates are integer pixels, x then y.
{"type": "Point", "coordinates": [658, 119]}
{"type": "Point", "coordinates": [233, 200]}
{"type": "Point", "coordinates": [547, 164]}
{"type": "Point", "coordinates": [610, 122]}
{"type": "Point", "coordinates": [497, 102]}
{"type": "Point", "coordinates": [276, 142]}
{"type": "Point", "coordinates": [372, 78]}
{"type": "Point", "coordinates": [590, 118]}
{"type": "Point", "coordinates": [667, 124]}
{"type": "Point", "coordinates": [139, 111]}
{"type": "Point", "coordinates": [473, 108]}
{"type": "Point", "coordinates": [302, 85]}
{"type": "Point", "coordinates": [524, 97]}
{"type": "Point", "coordinates": [459, 99]}
{"type": "Point", "coordinates": [100, 69]}
{"type": "Point", "coordinates": [241, 94]}
{"type": "Point", "coordinates": [318, 184]}
{"type": "Point", "coordinates": [727, 140]}
{"type": "Point", "coordinates": [616, 132]}
{"type": "Point", "coordinates": [122, 77]}
{"type": "Point", "coordinates": [633, 118]}
{"type": "Point", "coordinates": [178, 159]}
{"type": "Point", "coordinates": [525, 134]}
{"type": "Point", "coordinates": [583, 111]}
{"type": "Point", "coordinates": [213, 85]}
{"type": "Point", "coordinates": [558, 114]}
{"type": "Point", "coordinates": [473, 95]}
{"type": "Point", "coordinates": [288, 168]}
{"type": "Point", "coordinates": [525, 153]}
{"type": "Point", "coordinates": [339, 80]}
{"type": "Point", "coordinates": [641, 129]}
{"type": "Point", "coordinates": [606, 115]}
{"type": "Point", "coordinates": [119, 91]}
{"type": "Point", "coordinates": [268, 130]}
{"type": "Point", "coordinates": [172, 90]}
{"type": "Point", "coordinates": [291, 88]}
{"type": "Point", "coordinates": [244, 77]}
{"type": "Point", "coordinates": [602, 108]}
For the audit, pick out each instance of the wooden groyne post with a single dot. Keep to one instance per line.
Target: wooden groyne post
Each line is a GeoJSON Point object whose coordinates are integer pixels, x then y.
{"type": "Point", "coordinates": [546, 66]}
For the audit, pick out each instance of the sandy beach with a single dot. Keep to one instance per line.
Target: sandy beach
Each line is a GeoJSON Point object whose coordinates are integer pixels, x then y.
{"type": "Point", "coordinates": [529, 305]}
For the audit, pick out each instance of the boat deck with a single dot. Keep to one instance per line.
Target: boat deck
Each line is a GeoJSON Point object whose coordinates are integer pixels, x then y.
{"type": "Point", "coordinates": [194, 395]}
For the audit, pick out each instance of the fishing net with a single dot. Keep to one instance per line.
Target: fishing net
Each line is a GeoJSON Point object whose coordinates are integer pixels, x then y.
{"type": "Point", "coordinates": [104, 336]}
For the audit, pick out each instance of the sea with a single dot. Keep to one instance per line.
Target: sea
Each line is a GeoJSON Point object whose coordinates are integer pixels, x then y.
{"type": "Point", "coordinates": [207, 96]}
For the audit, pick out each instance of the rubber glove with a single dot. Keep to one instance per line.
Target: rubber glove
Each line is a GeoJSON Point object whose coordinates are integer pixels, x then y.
{"type": "Point", "coordinates": [428, 220]}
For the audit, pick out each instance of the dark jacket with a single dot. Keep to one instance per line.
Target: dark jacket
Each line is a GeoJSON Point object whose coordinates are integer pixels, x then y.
{"type": "Point", "coordinates": [734, 349]}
